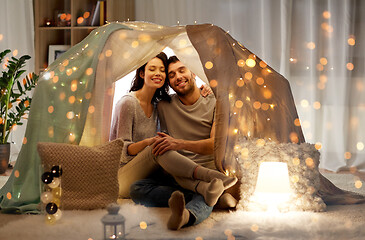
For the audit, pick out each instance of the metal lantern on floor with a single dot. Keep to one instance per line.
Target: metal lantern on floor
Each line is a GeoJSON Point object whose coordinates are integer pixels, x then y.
{"type": "Point", "coordinates": [114, 223]}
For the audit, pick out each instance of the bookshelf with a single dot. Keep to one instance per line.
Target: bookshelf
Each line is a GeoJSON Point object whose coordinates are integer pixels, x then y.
{"type": "Point", "coordinates": [57, 23]}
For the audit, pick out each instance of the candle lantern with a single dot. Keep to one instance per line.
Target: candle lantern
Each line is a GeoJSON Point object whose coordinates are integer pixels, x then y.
{"type": "Point", "coordinates": [114, 223]}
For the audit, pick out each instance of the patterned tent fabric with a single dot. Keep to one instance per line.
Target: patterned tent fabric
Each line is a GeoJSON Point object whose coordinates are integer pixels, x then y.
{"type": "Point", "coordinates": [73, 100]}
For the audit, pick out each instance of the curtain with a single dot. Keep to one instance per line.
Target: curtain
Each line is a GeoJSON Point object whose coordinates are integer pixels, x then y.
{"type": "Point", "coordinates": [319, 46]}
{"type": "Point", "coordinates": [17, 34]}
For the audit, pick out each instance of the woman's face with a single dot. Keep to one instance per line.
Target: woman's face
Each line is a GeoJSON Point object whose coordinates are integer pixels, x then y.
{"type": "Point", "coordinates": [154, 74]}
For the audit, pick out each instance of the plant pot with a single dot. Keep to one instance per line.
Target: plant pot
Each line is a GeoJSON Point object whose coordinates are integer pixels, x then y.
{"type": "Point", "coordinates": [4, 157]}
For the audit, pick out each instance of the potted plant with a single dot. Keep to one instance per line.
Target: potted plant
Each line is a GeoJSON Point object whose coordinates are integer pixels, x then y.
{"type": "Point", "coordinates": [14, 101]}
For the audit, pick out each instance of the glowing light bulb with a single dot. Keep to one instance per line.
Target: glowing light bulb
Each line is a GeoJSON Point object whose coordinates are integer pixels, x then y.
{"type": "Point", "coordinates": [47, 76]}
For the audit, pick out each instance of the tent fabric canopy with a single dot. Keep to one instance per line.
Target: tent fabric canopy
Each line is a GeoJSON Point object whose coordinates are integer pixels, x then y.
{"type": "Point", "coordinates": [72, 102]}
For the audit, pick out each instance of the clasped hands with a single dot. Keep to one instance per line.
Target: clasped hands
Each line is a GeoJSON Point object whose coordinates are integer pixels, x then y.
{"type": "Point", "coordinates": [163, 143]}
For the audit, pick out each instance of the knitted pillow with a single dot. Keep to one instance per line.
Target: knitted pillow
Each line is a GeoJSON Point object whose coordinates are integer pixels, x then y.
{"type": "Point", "coordinates": [89, 179]}
{"type": "Point", "coordinates": [302, 161]}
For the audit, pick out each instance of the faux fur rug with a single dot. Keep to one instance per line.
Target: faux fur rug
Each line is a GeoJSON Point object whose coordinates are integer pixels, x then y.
{"type": "Point", "coordinates": [338, 222]}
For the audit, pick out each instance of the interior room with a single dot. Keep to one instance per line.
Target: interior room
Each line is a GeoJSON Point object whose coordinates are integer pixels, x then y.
{"type": "Point", "coordinates": [287, 82]}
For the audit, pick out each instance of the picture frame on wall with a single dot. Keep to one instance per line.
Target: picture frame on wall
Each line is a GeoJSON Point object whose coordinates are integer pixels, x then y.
{"type": "Point", "coordinates": [54, 51]}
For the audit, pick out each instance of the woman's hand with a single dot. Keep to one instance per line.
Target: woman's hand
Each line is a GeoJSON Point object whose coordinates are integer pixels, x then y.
{"type": "Point", "coordinates": [152, 140]}
{"type": "Point", "coordinates": [205, 90]}
{"type": "Point", "coordinates": [164, 143]}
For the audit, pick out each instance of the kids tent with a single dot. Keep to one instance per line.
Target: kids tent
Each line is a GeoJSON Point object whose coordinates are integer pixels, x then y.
{"type": "Point", "coordinates": [72, 102]}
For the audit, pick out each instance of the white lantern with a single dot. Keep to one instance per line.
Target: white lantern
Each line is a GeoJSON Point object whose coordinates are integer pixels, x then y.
{"type": "Point", "coordinates": [272, 186]}
{"type": "Point", "coordinates": [114, 223]}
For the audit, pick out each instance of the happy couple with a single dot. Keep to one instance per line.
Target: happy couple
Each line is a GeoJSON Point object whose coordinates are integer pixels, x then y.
{"type": "Point", "coordinates": [173, 166]}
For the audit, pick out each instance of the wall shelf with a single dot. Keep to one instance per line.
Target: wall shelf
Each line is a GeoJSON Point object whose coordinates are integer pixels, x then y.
{"type": "Point", "coordinates": [68, 32]}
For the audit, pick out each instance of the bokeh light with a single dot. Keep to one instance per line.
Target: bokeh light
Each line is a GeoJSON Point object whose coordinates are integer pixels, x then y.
{"type": "Point", "coordinates": [350, 66]}
{"type": "Point", "coordinates": [323, 78]}
{"type": "Point", "coordinates": [296, 161]}
{"type": "Point", "coordinates": [250, 63]}
{"type": "Point", "coordinates": [80, 20]}
{"type": "Point", "coordinates": [143, 225]}
{"type": "Point", "coordinates": [254, 227]}
{"type": "Point", "coordinates": [304, 103]}
{"type": "Point", "coordinates": [208, 65]}
{"type": "Point", "coordinates": [182, 43]}
{"type": "Point", "coordinates": [265, 106]}
{"type": "Point", "coordinates": [241, 63]}
{"type": "Point", "coordinates": [297, 122]}
{"type": "Point", "coordinates": [108, 53]}
{"type": "Point", "coordinates": [260, 81]}
{"type": "Point", "coordinates": [239, 104]}
{"type": "Point", "coordinates": [240, 82]}
{"type": "Point", "coordinates": [318, 145]}
{"type": "Point", "coordinates": [323, 61]}
{"type": "Point", "coordinates": [91, 109]}
{"type": "Point", "coordinates": [213, 83]}
{"type": "Point", "coordinates": [316, 105]}
{"type": "Point", "coordinates": [360, 146]}
{"type": "Point", "coordinates": [263, 64]}
{"type": "Point", "coordinates": [267, 94]}
{"type": "Point", "coordinates": [55, 79]}
{"type": "Point", "coordinates": [311, 45]}
{"type": "Point", "coordinates": [358, 184]}
{"type": "Point", "coordinates": [294, 178]}
{"type": "Point", "coordinates": [72, 99]}
{"type": "Point", "coordinates": [50, 109]}
{"type": "Point", "coordinates": [135, 44]}
{"type": "Point", "coordinates": [89, 71]}
{"type": "Point", "coordinates": [309, 162]}
{"type": "Point", "coordinates": [257, 105]}
{"type": "Point", "coordinates": [86, 14]}
{"type": "Point", "coordinates": [351, 40]}
{"type": "Point", "coordinates": [248, 75]}
{"type": "Point", "coordinates": [326, 14]}
{"type": "Point", "coordinates": [70, 115]}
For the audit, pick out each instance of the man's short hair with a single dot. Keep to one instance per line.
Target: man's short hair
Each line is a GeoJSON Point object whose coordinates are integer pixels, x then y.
{"type": "Point", "coordinates": [172, 59]}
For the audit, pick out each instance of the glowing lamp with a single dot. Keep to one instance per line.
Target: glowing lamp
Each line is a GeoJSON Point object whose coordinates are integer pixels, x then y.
{"type": "Point", "coordinates": [272, 187]}
{"type": "Point", "coordinates": [114, 223]}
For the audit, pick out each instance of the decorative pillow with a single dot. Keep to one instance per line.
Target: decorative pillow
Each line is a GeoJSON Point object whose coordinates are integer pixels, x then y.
{"type": "Point", "coordinates": [302, 160]}
{"type": "Point", "coordinates": [89, 179]}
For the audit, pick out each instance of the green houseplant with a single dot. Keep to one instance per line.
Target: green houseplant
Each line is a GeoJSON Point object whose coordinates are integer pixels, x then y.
{"type": "Point", "coordinates": [14, 101]}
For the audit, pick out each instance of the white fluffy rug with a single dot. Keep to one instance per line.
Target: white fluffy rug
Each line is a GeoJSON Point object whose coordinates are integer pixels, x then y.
{"type": "Point", "coordinates": [338, 222]}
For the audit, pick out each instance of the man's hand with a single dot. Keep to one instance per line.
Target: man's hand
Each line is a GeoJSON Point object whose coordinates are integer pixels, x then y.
{"type": "Point", "coordinates": [165, 143]}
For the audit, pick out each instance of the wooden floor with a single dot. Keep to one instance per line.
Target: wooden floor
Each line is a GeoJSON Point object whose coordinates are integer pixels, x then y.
{"type": "Point", "coordinates": [354, 172]}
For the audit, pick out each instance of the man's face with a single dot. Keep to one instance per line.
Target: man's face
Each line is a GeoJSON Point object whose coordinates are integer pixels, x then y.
{"type": "Point", "coordinates": [181, 79]}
